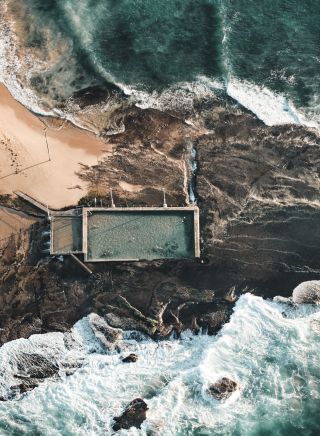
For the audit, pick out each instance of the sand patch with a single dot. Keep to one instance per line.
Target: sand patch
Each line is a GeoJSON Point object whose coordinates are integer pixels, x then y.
{"type": "Point", "coordinates": [129, 187]}
{"type": "Point", "coordinates": [42, 159]}
{"type": "Point", "coordinates": [12, 222]}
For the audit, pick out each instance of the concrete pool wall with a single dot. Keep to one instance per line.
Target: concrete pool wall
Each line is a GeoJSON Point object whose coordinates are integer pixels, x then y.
{"type": "Point", "coordinates": [129, 234]}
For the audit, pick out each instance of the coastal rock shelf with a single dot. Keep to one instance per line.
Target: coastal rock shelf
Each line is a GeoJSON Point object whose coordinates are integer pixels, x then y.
{"type": "Point", "coordinates": [257, 191]}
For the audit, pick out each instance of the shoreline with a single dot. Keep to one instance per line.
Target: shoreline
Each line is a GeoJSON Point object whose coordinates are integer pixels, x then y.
{"type": "Point", "coordinates": [34, 157]}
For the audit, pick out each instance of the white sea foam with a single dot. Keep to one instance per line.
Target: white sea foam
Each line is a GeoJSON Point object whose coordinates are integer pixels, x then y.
{"type": "Point", "coordinates": [268, 106]}
{"type": "Point", "coordinates": [268, 348]}
{"type": "Point", "coordinates": [180, 96]}
{"type": "Point", "coordinates": [10, 67]}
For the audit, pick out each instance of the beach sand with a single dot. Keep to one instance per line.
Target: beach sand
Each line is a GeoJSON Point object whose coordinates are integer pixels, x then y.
{"type": "Point", "coordinates": [12, 222]}
{"type": "Point", "coordinates": [43, 169]}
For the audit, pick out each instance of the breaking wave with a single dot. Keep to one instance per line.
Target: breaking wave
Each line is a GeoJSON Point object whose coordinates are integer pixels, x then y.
{"type": "Point", "coordinates": [197, 50]}
{"type": "Point", "coordinates": [269, 348]}
{"type": "Point", "coordinates": [270, 107]}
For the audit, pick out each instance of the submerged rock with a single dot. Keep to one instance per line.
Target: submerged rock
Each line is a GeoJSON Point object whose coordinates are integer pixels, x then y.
{"type": "Point", "coordinates": [130, 358]}
{"type": "Point", "coordinates": [133, 416]}
{"type": "Point", "coordinates": [108, 336]}
{"type": "Point", "coordinates": [36, 366]}
{"type": "Point", "coordinates": [307, 293]}
{"type": "Point", "coordinates": [25, 386]}
{"type": "Point", "coordinates": [27, 371]}
{"type": "Point", "coordinates": [223, 388]}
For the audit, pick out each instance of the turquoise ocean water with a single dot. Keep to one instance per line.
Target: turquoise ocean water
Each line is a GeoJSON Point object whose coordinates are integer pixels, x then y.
{"type": "Point", "coordinates": [268, 348]}
{"type": "Point", "coordinates": [265, 55]}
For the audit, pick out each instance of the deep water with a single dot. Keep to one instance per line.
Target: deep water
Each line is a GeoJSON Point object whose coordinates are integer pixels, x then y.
{"type": "Point", "coordinates": [265, 54]}
{"type": "Point", "coordinates": [141, 43]}
{"type": "Point", "coordinates": [270, 349]}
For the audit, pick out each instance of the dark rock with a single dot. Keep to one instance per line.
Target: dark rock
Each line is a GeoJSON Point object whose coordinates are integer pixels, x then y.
{"type": "Point", "coordinates": [130, 358]}
{"type": "Point", "coordinates": [133, 416]}
{"type": "Point", "coordinates": [94, 95]}
{"type": "Point", "coordinates": [30, 369]}
{"type": "Point", "coordinates": [35, 366]}
{"type": "Point", "coordinates": [194, 325]}
{"type": "Point", "coordinates": [214, 321]}
{"type": "Point", "coordinates": [257, 188]}
{"type": "Point", "coordinates": [307, 293]}
{"type": "Point", "coordinates": [26, 386]}
{"type": "Point", "coordinates": [223, 388]}
{"type": "Point", "coordinates": [108, 336]}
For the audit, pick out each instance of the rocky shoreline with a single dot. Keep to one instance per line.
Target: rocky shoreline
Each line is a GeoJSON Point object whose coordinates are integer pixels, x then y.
{"type": "Point", "coordinates": [257, 189]}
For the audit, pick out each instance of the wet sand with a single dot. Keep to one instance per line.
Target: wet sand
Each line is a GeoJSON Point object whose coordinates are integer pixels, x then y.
{"type": "Point", "coordinates": [42, 158]}
{"type": "Point", "coordinates": [12, 222]}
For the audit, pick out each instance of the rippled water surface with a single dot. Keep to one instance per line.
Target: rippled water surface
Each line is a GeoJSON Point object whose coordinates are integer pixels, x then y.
{"type": "Point", "coordinates": [264, 54]}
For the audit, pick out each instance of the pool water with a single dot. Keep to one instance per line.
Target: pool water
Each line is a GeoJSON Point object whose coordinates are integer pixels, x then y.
{"type": "Point", "coordinates": [139, 235]}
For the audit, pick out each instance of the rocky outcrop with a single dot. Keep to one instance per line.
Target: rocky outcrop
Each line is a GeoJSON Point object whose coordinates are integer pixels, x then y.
{"type": "Point", "coordinates": [257, 188]}
{"type": "Point", "coordinates": [27, 371]}
{"type": "Point", "coordinates": [133, 416]}
{"type": "Point", "coordinates": [35, 366]}
{"type": "Point", "coordinates": [307, 293]}
{"type": "Point", "coordinates": [212, 322]}
{"type": "Point", "coordinates": [130, 358]}
{"type": "Point", "coordinates": [108, 336]}
{"type": "Point", "coordinates": [223, 389]}
{"type": "Point", "coordinates": [27, 363]}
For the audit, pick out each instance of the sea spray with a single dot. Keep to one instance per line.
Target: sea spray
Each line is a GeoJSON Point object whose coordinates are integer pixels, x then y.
{"type": "Point", "coordinates": [269, 348]}
{"type": "Point", "coordinates": [271, 107]}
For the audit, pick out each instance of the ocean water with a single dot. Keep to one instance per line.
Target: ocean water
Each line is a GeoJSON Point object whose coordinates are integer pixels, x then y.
{"type": "Point", "coordinates": [268, 348]}
{"type": "Point", "coordinates": [164, 53]}
{"type": "Point", "coordinates": [265, 54]}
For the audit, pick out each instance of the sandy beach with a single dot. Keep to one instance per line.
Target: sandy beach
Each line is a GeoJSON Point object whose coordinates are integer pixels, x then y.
{"type": "Point", "coordinates": [12, 222]}
{"type": "Point", "coordinates": [41, 158]}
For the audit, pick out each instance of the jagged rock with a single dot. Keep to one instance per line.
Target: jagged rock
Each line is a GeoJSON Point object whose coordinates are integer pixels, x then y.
{"type": "Point", "coordinates": [25, 386]}
{"type": "Point", "coordinates": [214, 321]}
{"type": "Point", "coordinates": [35, 366]}
{"type": "Point", "coordinates": [126, 323]}
{"type": "Point", "coordinates": [130, 358]}
{"type": "Point", "coordinates": [108, 336]}
{"type": "Point", "coordinates": [29, 370]}
{"type": "Point", "coordinates": [222, 389]}
{"type": "Point", "coordinates": [258, 189]}
{"type": "Point", "coordinates": [230, 296]}
{"type": "Point", "coordinates": [194, 325]}
{"type": "Point", "coordinates": [133, 416]}
{"type": "Point", "coordinates": [307, 293]}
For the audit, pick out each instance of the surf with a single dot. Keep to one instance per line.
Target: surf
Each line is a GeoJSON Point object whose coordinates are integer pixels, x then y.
{"type": "Point", "coordinates": [268, 347]}
{"type": "Point", "coordinates": [198, 50]}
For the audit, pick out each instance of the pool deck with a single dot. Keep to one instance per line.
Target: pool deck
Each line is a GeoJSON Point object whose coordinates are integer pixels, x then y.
{"type": "Point", "coordinates": [66, 233]}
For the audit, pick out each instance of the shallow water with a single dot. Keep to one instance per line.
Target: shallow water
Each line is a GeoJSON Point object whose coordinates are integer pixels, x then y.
{"type": "Point", "coordinates": [268, 348]}
{"type": "Point", "coordinates": [139, 235]}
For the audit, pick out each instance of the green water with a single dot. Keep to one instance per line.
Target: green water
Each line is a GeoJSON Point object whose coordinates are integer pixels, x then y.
{"type": "Point", "coordinates": [153, 44]}
{"type": "Point", "coordinates": [276, 44]}
{"type": "Point", "coordinates": [140, 235]}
